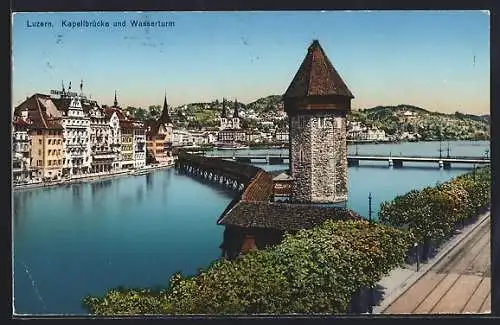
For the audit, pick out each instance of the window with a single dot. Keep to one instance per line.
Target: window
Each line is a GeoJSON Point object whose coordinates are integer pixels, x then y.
{"type": "Point", "coordinates": [39, 152]}
{"type": "Point", "coordinates": [59, 161]}
{"type": "Point", "coordinates": [49, 141]}
{"type": "Point", "coordinates": [39, 162]}
{"type": "Point", "coordinates": [39, 141]}
{"type": "Point", "coordinates": [50, 162]}
{"type": "Point", "coordinates": [50, 151]}
{"type": "Point", "coordinates": [301, 156]}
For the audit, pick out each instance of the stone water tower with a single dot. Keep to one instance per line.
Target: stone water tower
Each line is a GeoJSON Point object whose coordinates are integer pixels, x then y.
{"type": "Point", "coordinates": [317, 102]}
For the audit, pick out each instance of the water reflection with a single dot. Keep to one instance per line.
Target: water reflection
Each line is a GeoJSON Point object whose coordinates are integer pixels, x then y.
{"type": "Point", "coordinates": [149, 181]}
{"type": "Point", "coordinates": [77, 196]}
{"type": "Point", "coordinates": [139, 195]}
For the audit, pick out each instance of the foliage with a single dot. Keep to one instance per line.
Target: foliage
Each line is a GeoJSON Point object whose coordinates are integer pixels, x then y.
{"type": "Point", "coordinates": [312, 271]}
{"type": "Point", "coordinates": [433, 213]}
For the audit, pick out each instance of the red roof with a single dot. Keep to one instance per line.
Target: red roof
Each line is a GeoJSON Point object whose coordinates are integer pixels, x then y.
{"type": "Point", "coordinates": [20, 124]}
{"type": "Point", "coordinates": [37, 114]}
{"type": "Point", "coordinates": [317, 77]}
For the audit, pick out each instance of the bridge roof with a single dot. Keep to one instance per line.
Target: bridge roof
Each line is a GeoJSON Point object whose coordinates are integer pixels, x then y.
{"type": "Point", "coordinates": [282, 216]}
{"type": "Point", "coordinates": [317, 77]}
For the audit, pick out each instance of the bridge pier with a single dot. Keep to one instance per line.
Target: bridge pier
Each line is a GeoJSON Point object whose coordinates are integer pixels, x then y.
{"type": "Point", "coordinates": [397, 163]}
{"type": "Point", "coordinates": [352, 162]}
{"type": "Point", "coordinates": [446, 165]}
{"type": "Point", "coordinates": [275, 160]}
{"type": "Point", "coordinates": [244, 159]}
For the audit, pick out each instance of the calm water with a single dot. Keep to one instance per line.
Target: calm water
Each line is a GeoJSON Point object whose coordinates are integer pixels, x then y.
{"type": "Point", "coordinates": [136, 231]}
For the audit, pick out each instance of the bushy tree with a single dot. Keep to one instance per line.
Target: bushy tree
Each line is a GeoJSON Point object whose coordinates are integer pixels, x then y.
{"type": "Point", "coordinates": [313, 271]}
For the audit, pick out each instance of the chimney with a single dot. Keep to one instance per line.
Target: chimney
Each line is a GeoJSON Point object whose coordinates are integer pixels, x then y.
{"type": "Point", "coordinates": [24, 114]}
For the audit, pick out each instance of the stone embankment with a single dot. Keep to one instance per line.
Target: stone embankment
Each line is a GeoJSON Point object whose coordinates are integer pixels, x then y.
{"type": "Point", "coordinates": [89, 178]}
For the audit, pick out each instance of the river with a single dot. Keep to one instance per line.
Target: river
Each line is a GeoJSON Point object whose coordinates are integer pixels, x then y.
{"type": "Point", "coordinates": [135, 231]}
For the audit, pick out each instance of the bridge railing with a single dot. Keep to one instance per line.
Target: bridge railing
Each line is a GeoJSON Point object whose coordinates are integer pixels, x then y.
{"type": "Point", "coordinates": [273, 155]}
{"type": "Point", "coordinates": [243, 170]}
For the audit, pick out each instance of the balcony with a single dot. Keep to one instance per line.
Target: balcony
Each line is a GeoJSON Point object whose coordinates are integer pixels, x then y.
{"type": "Point", "coordinates": [104, 155]}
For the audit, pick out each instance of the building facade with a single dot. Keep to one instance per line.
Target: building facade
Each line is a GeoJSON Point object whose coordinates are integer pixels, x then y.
{"type": "Point", "coordinates": [127, 144]}
{"type": "Point", "coordinates": [45, 134]}
{"type": "Point", "coordinates": [112, 117]}
{"type": "Point", "coordinates": [317, 102]}
{"type": "Point", "coordinates": [20, 149]}
{"type": "Point", "coordinates": [76, 144]}
{"type": "Point", "coordinates": [159, 137]}
{"type": "Point", "coordinates": [103, 156]}
{"type": "Point", "coordinates": [230, 130]}
{"type": "Point", "coordinates": [139, 144]}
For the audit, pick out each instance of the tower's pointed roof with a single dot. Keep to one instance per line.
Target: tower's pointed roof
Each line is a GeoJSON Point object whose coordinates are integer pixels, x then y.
{"type": "Point", "coordinates": [317, 77]}
{"type": "Point", "coordinates": [236, 113]}
{"type": "Point", "coordinates": [115, 103]}
{"type": "Point", "coordinates": [165, 116]}
{"type": "Point", "coordinates": [224, 111]}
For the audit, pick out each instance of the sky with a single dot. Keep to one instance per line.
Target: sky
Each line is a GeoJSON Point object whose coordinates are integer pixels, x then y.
{"type": "Point", "coordinates": [437, 60]}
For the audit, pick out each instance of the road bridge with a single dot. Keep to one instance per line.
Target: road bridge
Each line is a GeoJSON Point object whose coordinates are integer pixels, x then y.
{"type": "Point", "coordinates": [353, 160]}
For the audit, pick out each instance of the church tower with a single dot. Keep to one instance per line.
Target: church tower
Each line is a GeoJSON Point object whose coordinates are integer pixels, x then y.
{"type": "Point", "coordinates": [317, 102]}
{"type": "Point", "coordinates": [236, 115]}
{"type": "Point", "coordinates": [223, 116]}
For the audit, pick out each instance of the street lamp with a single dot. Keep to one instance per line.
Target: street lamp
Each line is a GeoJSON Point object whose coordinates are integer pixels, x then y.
{"type": "Point", "coordinates": [370, 207]}
{"type": "Point", "coordinates": [418, 257]}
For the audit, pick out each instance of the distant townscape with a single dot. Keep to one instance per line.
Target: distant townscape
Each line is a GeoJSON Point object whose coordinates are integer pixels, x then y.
{"type": "Point", "coordinates": [66, 136]}
{"type": "Point", "coordinates": [265, 122]}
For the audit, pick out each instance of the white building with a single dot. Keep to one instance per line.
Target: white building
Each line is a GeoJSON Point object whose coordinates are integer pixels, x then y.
{"type": "Point", "coordinates": [115, 136]}
{"type": "Point", "coordinates": [103, 154]}
{"type": "Point", "coordinates": [281, 136]}
{"type": "Point", "coordinates": [181, 137]}
{"type": "Point", "coordinates": [372, 135]}
{"type": "Point", "coordinates": [139, 145]}
{"type": "Point", "coordinates": [20, 148]}
{"type": "Point", "coordinates": [76, 133]}
{"type": "Point", "coordinates": [227, 121]}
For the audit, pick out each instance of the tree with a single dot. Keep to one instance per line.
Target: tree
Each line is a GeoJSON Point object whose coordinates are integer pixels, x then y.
{"type": "Point", "coordinates": [313, 271]}
{"type": "Point", "coordinates": [154, 112]}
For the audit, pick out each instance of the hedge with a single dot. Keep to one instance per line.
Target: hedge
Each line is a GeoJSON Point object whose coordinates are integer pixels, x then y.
{"type": "Point", "coordinates": [312, 271]}
{"type": "Point", "coordinates": [433, 213]}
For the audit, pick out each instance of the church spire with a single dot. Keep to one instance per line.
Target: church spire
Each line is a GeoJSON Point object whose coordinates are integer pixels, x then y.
{"type": "Point", "coordinates": [224, 112]}
{"type": "Point", "coordinates": [236, 105]}
{"type": "Point", "coordinates": [165, 116]}
{"type": "Point", "coordinates": [115, 104]}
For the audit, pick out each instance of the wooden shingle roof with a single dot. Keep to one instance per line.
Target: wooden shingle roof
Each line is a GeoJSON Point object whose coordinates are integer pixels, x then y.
{"type": "Point", "coordinates": [282, 216]}
{"type": "Point", "coordinates": [317, 77]}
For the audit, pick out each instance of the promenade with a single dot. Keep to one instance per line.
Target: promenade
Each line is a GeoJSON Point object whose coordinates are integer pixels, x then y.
{"type": "Point", "coordinates": [456, 281]}
{"type": "Point", "coordinates": [90, 177]}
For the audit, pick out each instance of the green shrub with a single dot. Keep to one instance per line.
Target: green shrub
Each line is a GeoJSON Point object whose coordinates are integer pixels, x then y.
{"type": "Point", "coordinates": [313, 271]}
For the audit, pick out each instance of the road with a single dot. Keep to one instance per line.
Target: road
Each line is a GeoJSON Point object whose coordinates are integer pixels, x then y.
{"type": "Point", "coordinates": [459, 283]}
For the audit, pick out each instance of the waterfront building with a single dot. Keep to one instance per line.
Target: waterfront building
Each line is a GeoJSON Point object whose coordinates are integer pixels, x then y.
{"type": "Point", "coordinates": [182, 137]}
{"type": "Point", "coordinates": [127, 144]}
{"type": "Point", "coordinates": [139, 144]}
{"type": "Point", "coordinates": [252, 136]}
{"type": "Point", "coordinates": [77, 148]}
{"type": "Point", "coordinates": [281, 136]}
{"type": "Point", "coordinates": [104, 154]}
{"type": "Point", "coordinates": [160, 137]}
{"type": "Point", "coordinates": [317, 102]}
{"type": "Point", "coordinates": [123, 128]}
{"type": "Point", "coordinates": [20, 148]}
{"type": "Point", "coordinates": [113, 117]}
{"type": "Point", "coordinates": [46, 134]}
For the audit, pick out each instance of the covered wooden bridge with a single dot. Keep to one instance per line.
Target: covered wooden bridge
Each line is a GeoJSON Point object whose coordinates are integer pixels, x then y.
{"type": "Point", "coordinates": [229, 173]}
